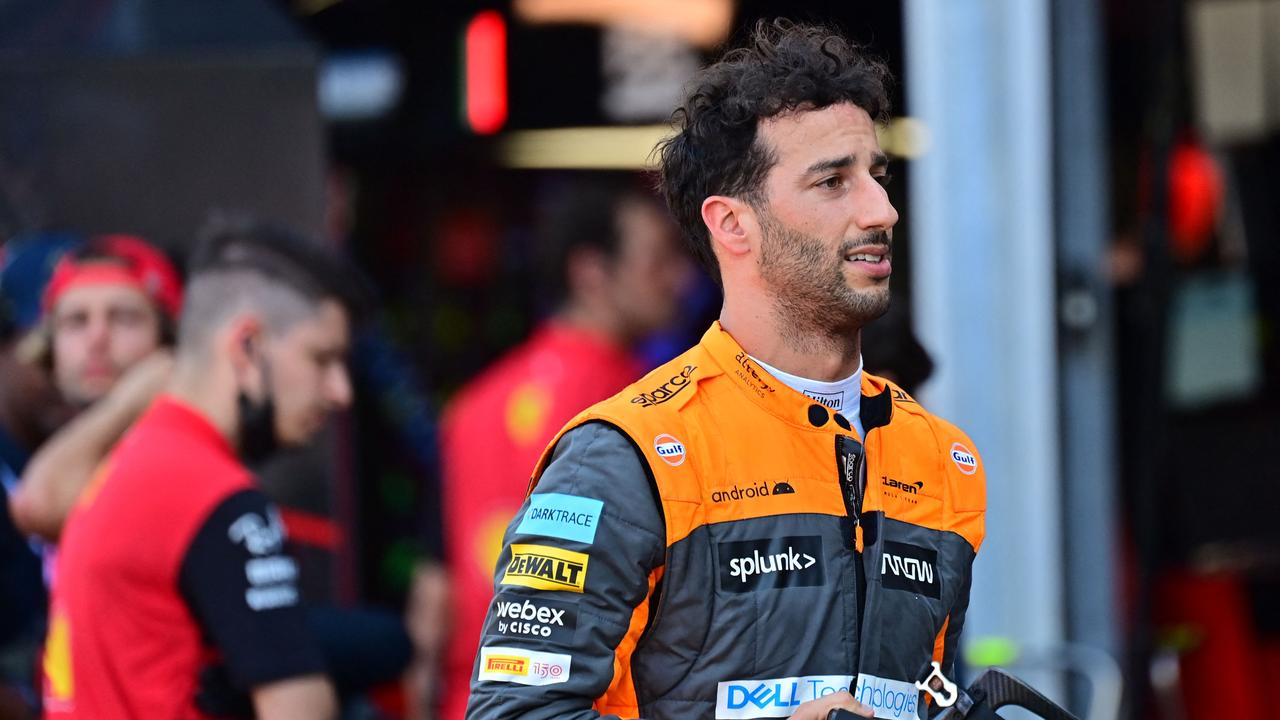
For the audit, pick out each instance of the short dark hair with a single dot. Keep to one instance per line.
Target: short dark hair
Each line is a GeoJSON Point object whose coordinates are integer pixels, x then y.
{"type": "Point", "coordinates": [284, 275]}
{"type": "Point", "coordinates": [784, 66]}
{"type": "Point", "coordinates": [584, 214]}
{"type": "Point", "coordinates": [306, 266]}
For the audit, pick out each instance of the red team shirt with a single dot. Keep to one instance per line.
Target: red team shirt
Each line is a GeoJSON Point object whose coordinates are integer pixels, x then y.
{"type": "Point", "coordinates": [493, 434]}
{"type": "Point", "coordinates": [171, 560]}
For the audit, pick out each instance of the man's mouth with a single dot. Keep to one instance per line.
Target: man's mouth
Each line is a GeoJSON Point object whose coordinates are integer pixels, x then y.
{"type": "Point", "coordinates": [873, 261]}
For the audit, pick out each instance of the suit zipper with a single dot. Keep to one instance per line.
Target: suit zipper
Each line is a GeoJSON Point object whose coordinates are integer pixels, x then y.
{"type": "Point", "coordinates": [851, 465]}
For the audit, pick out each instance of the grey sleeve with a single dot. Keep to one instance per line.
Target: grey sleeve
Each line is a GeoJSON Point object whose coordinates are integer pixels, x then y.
{"type": "Point", "coordinates": [575, 565]}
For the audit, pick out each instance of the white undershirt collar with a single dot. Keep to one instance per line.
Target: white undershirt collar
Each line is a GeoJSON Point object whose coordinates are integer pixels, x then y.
{"type": "Point", "coordinates": [843, 396]}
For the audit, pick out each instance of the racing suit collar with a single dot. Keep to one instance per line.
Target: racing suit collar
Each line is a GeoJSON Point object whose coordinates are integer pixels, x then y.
{"type": "Point", "coordinates": [780, 400]}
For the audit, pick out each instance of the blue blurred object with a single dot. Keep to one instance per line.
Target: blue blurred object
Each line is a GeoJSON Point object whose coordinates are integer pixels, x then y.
{"type": "Point", "coordinates": [26, 262]}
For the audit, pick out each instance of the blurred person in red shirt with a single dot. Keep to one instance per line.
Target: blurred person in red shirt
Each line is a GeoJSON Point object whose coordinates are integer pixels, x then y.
{"type": "Point", "coordinates": [108, 316]}
{"type": "Point", "coordinates": [173, 560]}
{"type": "Point", "coordinates": [613, 269]}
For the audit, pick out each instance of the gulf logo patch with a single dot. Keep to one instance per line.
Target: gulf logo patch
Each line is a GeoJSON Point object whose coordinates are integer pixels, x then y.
{"type": "Point", "coordinates": [669, 449]}
{"type": "Point", "coordinates": [964, 460]}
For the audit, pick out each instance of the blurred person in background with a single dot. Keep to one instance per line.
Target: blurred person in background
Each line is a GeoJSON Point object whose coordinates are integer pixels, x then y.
{"type": "Point", "coordinates": [613, 269]}
{"type": "Point", "coordinates": [709, 542]}
{"type": "Point", "coordinates": [172, 540]}
{"type": "Point", "coordinates": [30, 410]}
{"type": "Point", "coordinates": [108, 315]}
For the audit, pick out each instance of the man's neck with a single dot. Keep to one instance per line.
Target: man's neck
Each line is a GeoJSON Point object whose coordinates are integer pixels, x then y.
{"type": "Point", "coordinates": [594, 320]}
{"type": "Point", "coordinates": [792, 347]}
{"type": "Point", "coordinates": [203, 390]}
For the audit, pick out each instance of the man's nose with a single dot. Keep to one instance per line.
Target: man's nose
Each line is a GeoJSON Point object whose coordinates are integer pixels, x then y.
{"type": "Point", "coordinates": [872, 209]}
{"type": "Point", "coordinates": [339, 388]}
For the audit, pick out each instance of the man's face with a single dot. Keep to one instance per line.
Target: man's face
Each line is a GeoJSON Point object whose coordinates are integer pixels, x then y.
{"type": "Point", "coordinates": [99, 332]}
{"type": "Point", "coordinates": [826, 224]}
{"type": "Point", "coordinates": [649, 270]}
{"type": "Point", "coordinates": [309, 376]}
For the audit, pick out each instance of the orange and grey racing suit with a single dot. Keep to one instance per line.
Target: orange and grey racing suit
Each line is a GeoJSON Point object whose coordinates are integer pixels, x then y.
{"type": "Point", "coordinates": [711, 543]}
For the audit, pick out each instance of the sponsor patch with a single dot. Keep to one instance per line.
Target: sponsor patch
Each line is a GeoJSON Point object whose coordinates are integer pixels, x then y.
{"type": "Point", "coordinates": [775, 697]}
{"type": "Point", "coordinates": [520, 617]}
{"type": "Point", "coordinates": [666, 390]}
{"type": "Point", "coordinates": [669, 449]}
{"type": "Point", "coordinates": [749, 375]}
{"type": "Point", "coordinates": [964, 460]}
{"type": "Point", "coordinates": [912, 568]}
{"type": "Point", "coordinates": [260, 535]}
{"type": "Point", "coordinates": [835, 401]}
{"type": "Point", "coordinates": [794, 561]}
{"type": "Point", "coordinates": [525, 667]}
{"type": "Point", "coordinates": [751, 492]}
{"type": "Point", "coordinates": [568, 517]}
{"type": "Point", "coordinates": [888, 698]}
{"type": "Point", "coordinates": [546, 568]}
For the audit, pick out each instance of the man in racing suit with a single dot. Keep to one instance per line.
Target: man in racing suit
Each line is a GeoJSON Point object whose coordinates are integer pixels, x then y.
{"type": "Point", "coordinates": [757, 528]}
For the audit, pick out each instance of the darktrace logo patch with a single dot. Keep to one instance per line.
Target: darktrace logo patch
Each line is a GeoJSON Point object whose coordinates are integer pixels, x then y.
{"type": "Point", "coordinates": [771, 563]}
{"type": "Point", "coordinates": [912, 568]}
{"type": "Point", "coordinates": [666, 390]}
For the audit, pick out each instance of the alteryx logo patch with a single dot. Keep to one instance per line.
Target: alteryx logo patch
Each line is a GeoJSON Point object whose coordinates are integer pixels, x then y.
{"type": "Point", "coordinates": [904, 566]}
{"type": "Point", "coordinates": [568, 517]}
{"type": "Point", "coordinates": [793, 561]}
{"type": "Point", "coordinates": [776, 697]}
{"type": "Point", "coordinates": [546, 568]}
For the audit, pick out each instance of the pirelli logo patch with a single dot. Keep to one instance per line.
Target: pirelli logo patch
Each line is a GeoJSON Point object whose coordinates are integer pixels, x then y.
{"type": "Point", "coordinates": [546, 568]}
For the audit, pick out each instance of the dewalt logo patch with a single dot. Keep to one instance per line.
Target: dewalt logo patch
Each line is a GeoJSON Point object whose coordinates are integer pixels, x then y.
{"type": "Point", "coordinates": [546, 568]}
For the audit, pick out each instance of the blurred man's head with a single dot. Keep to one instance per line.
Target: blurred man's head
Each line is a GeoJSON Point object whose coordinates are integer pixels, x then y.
{"type": "Point", "coordinates": [268, 317]}
{"type": "Point", "coordinates": [612, 248]}
{"type": "Point", "coordinates": [108, 305]}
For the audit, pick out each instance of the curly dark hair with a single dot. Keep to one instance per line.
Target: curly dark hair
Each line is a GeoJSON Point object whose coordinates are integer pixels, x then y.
{"type": "Point", "coordinates": [784, 66]}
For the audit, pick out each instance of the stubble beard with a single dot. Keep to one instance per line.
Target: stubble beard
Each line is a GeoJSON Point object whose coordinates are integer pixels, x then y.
{"type": "Point", "coordinates": [811, 297]}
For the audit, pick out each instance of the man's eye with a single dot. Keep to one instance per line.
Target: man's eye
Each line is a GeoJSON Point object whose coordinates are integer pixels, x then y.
{"type": "Point", "coordinates": [884, 179]}
{"type": "Point", "coordinates": [831, 183]}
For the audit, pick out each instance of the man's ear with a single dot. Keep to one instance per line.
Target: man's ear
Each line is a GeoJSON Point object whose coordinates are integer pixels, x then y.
{"type": "Point", "coordinates": [242, 340]}
{"type": "Point", "coordinates": [731, 223]}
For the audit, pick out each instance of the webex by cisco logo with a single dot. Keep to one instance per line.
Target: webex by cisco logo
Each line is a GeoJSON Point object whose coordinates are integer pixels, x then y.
{"type": "Point", "coordinates": [521, 617]}
{"type": "Point", "coordinates": [793, 561]}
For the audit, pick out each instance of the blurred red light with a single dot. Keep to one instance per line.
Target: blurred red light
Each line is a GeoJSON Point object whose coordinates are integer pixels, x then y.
{"type": "Point", "coordinates": [486, 72]}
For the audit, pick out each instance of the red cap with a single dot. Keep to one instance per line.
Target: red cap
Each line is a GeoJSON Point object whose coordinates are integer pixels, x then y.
{"type": "Point", "coordinates": [119, 259]}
